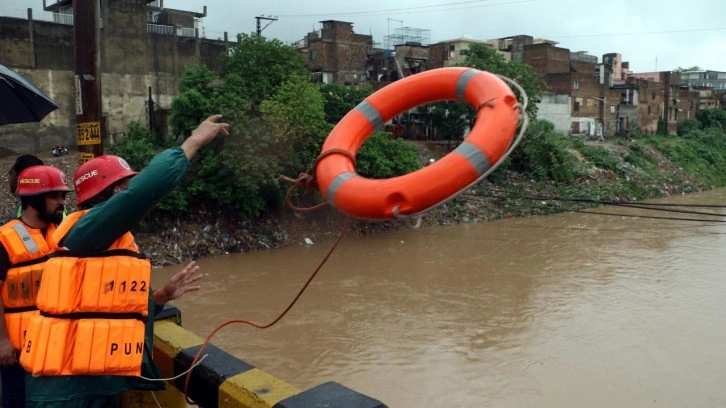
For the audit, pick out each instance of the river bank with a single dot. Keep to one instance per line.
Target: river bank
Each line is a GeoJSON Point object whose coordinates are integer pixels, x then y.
{"type": "Point", "coordinates": [205, 231]}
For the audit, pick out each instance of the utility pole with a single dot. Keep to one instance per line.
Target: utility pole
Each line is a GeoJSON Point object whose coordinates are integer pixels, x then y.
{"type": "Point", "coordinates": [86, 15]}
{"type": "Point", "coordinates": [260, 18]}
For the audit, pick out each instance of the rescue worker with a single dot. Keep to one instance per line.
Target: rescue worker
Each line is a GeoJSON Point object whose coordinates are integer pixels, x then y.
{"type": "Point", "coordinates": [21, 163]}
{"type": "Point", "coordinates": [100, 341]}
{"type": "Point", "coordinates": [23, 252]}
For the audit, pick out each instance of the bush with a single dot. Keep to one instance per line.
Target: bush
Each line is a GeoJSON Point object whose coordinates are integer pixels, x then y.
{"type": "Point", "coordinates": [639, 157]}
{"type": "Point", "coordinates": [688, 126]}
{"type": "Point", "coordinates": [381, 157]}
{"type": "Point", "coordinates": [544, 154]}
{"type": "Point", "coordinates": [662, 129]}
{"type": "Point", "coordinates": [715, 118]}
{"type": "Point", "coordinates": [239, 172]}
{"type": "Point", "coordinates": [601, 158]}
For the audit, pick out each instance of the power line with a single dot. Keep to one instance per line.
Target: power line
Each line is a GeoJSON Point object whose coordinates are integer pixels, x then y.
{"type": "Point", "coordinates": [640, 205]}
{"type": "Point", "coordinates": [409, 10]}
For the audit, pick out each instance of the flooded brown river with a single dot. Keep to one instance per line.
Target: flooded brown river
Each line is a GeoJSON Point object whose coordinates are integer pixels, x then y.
{"type": "Point", "coordinates": [569, 310]}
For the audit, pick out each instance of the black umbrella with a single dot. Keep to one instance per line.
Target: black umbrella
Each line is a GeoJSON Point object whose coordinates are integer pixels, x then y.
{"type": "Point", "coordinates": [20, 100]}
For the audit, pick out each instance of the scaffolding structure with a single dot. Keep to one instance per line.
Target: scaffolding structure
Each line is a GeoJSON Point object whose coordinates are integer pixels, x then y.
{"type": "Point", "coordinates": [406, 35]}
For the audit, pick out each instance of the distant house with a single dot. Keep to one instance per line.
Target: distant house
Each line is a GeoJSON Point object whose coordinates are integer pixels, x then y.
{"type": "Point", "coordinates": [715, 80]}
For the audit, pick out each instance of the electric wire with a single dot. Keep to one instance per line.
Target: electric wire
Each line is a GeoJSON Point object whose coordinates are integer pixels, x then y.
{"type": "Point", "coordinates": [649, 216]}
{"type": "Point", "coordinates": [431, 8]}
{"type": "Point", "coordinates": [595, 201]}
{"type": "Point", "coordinates": [661, 207]}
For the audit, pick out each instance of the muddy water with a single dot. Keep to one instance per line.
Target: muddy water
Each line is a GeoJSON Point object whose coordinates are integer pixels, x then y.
{"type": "Point", "coordinates": [570, 310]}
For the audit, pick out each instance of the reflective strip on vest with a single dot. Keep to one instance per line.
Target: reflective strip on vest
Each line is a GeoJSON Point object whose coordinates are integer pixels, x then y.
{"type": "Point", "coordinates": [30, 245]}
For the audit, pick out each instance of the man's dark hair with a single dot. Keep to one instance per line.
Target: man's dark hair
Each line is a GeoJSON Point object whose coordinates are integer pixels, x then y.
{"type": "Point", "coordinates": [22, 163]}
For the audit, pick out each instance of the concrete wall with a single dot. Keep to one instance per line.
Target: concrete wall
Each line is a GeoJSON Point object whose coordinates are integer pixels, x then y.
{"type": "Point", "coordinates": [547, 59]}
{"type": "Point", "coordinates": [412, 58]}
{"type": "Point", "coordinates": [556, 109]}
{"type": "Point", "coordinates": [132, 61]}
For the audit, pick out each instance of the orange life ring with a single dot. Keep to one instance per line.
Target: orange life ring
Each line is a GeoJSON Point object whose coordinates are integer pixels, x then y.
{"type": "Point", "coordinates": [496, 123]}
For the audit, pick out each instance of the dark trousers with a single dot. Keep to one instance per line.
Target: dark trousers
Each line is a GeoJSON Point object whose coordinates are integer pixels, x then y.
{"type": "Point", "coordinates": [13, 380]}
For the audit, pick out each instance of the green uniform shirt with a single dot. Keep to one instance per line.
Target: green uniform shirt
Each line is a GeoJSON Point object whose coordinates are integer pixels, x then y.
{"type": "Point", "coordinates": [96, 231]}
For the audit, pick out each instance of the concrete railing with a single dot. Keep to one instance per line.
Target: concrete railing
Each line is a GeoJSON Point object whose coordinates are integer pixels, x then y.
{"type": "Point", "coordinates": [159, 29]}
{"type": "Point", "coordinates": [222, 380]}
{"type": "Point", "coordinates": [170, 30]}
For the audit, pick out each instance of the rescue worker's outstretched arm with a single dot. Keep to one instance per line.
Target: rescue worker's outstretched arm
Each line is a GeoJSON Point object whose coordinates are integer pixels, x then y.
{"type": "Point", "coordinates": [179, 284]}
{"type": "Point", "coordinates": [106, 222]}
{"type": "Point", "coordinates": [203, 134]}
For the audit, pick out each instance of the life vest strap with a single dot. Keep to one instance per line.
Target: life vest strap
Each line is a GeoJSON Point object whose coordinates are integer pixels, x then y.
{"type": "Point", "coordinates": [30, 262]}
{"type": "Point", "coordinates": [96, 315]}
{"type": "Point", "coordinates": [20, 309]}
{"type": "Point", "coordinates": [101, 254]}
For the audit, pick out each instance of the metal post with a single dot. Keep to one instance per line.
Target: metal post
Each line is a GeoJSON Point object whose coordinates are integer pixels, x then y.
{"type": "Point", "coordinates": [150, 105]}
{"type": "Point", "coordinates": [86, 15]}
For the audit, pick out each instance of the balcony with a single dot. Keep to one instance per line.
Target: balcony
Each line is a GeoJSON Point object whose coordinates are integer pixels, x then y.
{"type": "Point", "coordinates": [159, 29]}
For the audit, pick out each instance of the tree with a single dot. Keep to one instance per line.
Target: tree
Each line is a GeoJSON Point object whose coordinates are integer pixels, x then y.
{"type": "Point", "coordinates": [256, 67]}
{"type": "Point", "coordinates": [340, 99]}
{"type": "Point", "coordinates": [485, 58]}
{"type": "Point", "coordinates": [297, 121]}
{"type": "Point", "coordinates": [693, 68]}
{"type": "Point", "coordinates": [451, 119]}
{"type": "Point", "coordinates": [240, 171]}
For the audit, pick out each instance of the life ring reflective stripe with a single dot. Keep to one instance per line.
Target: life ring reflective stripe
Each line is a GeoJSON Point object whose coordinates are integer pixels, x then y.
{"type": "Point", "coordinates": [360, 197]}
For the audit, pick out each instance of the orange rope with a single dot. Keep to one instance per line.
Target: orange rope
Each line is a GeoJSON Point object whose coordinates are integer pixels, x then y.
{"type": "Point", "coordinates": [306, 181]}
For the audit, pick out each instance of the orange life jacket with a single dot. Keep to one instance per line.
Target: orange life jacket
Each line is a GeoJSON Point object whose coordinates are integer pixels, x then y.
{"type": "Point", "coordinates": [27, 250]}
{"type": "Point", "coordinates": [93, 308]}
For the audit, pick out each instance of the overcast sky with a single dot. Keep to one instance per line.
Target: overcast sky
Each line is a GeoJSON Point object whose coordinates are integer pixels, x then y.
{"type": "Point", "coordinates": [650, 34]}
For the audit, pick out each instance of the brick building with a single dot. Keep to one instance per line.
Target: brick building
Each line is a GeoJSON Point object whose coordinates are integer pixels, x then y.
{"type": "Point", "coordinates": [335, 54]}
{"type": "Point", "coordinates": [676, 102]}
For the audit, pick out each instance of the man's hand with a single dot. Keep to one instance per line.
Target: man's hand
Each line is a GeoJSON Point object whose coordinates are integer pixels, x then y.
{"type": "Point", "coordinates": [179, 284]}
{"type": "Point", "coordinates": [203, 134]}
{"type": "Point", "coordinates": [8, 356]}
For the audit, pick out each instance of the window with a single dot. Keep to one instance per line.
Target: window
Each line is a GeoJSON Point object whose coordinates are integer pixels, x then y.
{"type": "Point", "coordinates": [452, 47]}
{"type": "Point", "coordinates": [575, 84]}
{"type": "Point", "coordinates": [576, 108]}
{"type": "Point", "coordinates": [311, 55]}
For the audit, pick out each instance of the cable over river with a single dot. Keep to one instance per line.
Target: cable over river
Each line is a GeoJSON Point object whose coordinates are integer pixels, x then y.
{"type": "Point", "coordinates": [569, 310]}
